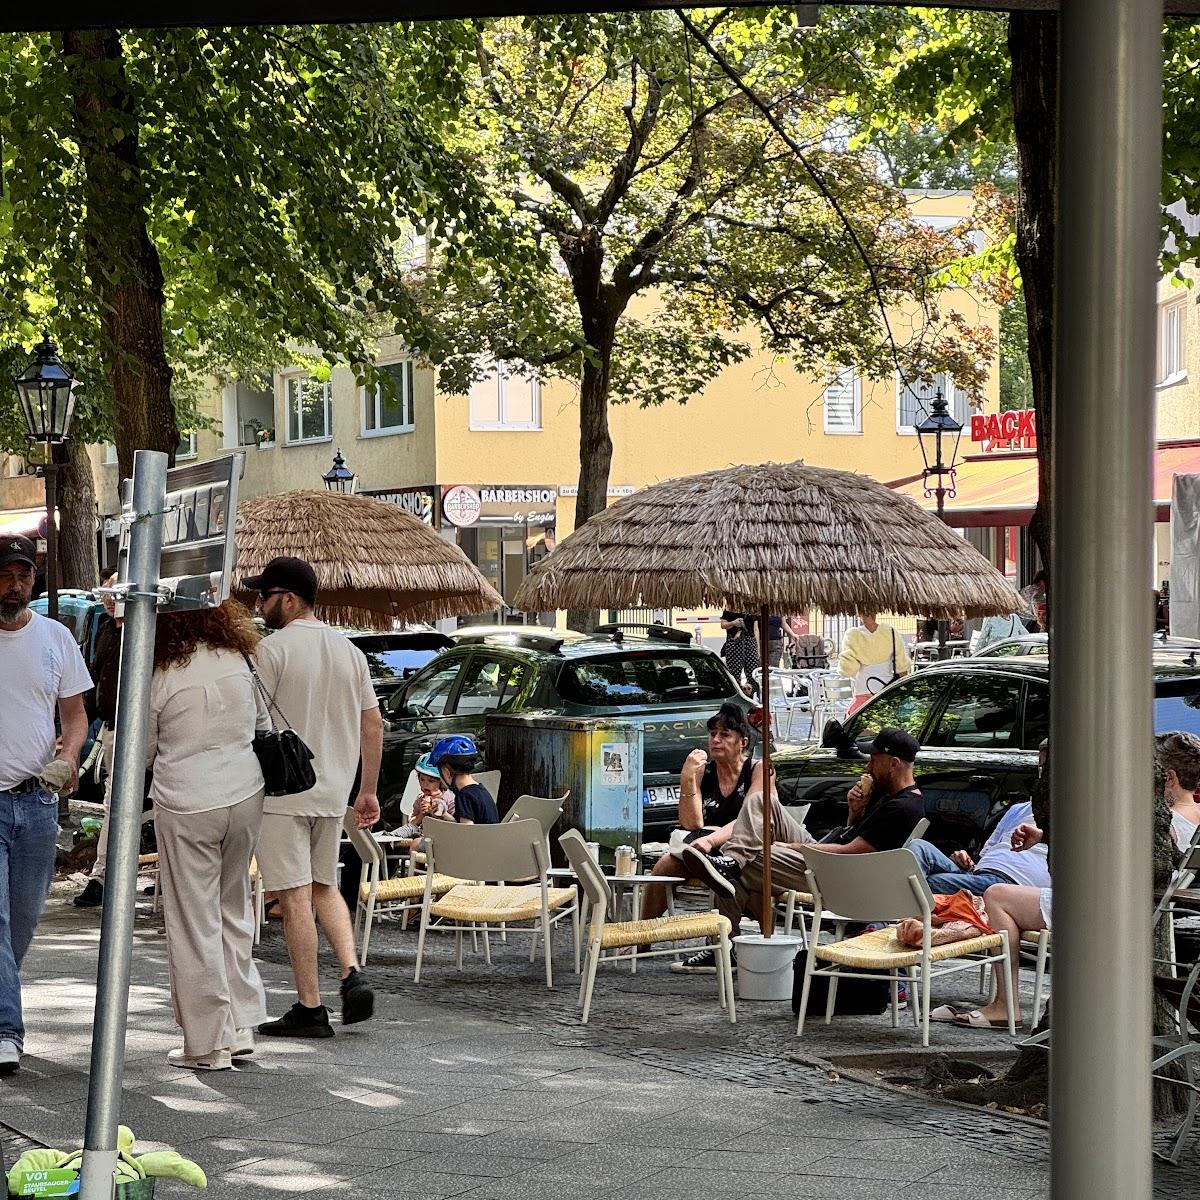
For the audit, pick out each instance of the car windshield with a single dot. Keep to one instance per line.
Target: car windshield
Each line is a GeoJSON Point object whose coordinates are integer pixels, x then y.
{"type": "Point", "coordinates": [1177, 707]}
{"type": "Point", "coordinates": [390, 658]}
{"type": "Point", "coordinates": [644, 677]}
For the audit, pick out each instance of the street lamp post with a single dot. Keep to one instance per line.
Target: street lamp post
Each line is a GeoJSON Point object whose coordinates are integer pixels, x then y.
{"type": "Point", "coordinates": [339, 478]}
{"type": "Point", "coordinates": [46, 390]}
{"type": "Point", "coordinates": [938, 426]}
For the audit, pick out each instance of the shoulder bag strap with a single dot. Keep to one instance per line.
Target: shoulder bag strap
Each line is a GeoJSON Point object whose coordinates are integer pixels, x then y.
{"type": "Point", "coordinates": [894, 670]}
{"type": "Point", "coordinates": [268, 699]}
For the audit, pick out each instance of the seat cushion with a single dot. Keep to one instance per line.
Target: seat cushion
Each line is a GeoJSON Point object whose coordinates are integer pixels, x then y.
{"type": "Point", "coordinates": [664, 929]}
{"type": "Point", "coordinates": [147, 860]}
{"type": "Point", "coordinates": [880, 950]}
{"type": "Point", "coordinates": [498, 902]}
{"type": "Point", "coordinates": [405, 887]}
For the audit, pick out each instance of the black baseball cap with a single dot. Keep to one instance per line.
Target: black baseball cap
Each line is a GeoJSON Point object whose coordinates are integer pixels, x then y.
{"type": "Point", "coordinates": [290, 574]}
{"type": "Point", "coordinates": [897, 743]}
{"type": "Point", "coordinates": [15, 548]}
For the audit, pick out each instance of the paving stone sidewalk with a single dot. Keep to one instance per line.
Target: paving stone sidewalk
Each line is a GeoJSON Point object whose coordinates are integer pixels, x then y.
{"type": "Point", "coordinates": [484, 1085]}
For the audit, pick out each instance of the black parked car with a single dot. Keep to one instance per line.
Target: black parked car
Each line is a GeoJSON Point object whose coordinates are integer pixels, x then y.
{"type": "Point", "coordinates": [397, 656]}
{"type": "Point", "coordinates": [979, 722]}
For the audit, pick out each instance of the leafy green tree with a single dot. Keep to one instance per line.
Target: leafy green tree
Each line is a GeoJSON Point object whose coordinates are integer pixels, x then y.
{"type": "Point", "coordinates": [684, 185]}
{"type": "Point", "coordinates": [181, 201]}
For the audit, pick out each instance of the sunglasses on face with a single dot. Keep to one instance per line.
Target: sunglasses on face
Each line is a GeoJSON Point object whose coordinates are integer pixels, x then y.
{"type": "Point", "coordinates": [272, 592]}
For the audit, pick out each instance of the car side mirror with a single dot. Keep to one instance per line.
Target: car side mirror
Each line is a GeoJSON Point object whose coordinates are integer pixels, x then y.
{"type": "Point", "coordinates": [833, 735]}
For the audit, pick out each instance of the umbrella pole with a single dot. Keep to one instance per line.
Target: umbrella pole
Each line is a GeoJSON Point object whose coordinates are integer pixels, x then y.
{"type": "Point", "coordinates": [768, 909]}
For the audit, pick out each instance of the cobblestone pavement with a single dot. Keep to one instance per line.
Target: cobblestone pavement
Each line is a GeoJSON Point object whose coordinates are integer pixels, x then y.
{"type": "Point", "coordinates": [483, 1084]}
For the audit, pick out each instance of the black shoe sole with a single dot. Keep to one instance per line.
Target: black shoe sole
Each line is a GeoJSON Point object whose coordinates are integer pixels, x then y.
{"type": "Point", "coordinates": [87, 903]}
{"type": "Point", "coordinates": [358, 1004]}
{"type": "Point", "coordinates": [9, 1068]}
{"type": "Point", "coordinates": [698, 863]}
{"type": "Point", "coordinates": [297, 1031]}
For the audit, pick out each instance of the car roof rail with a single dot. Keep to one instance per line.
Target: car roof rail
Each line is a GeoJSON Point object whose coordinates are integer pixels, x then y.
{"type": "Point", "coordinates": [664, 633]}
{"type": "Point", "coordinates": [515, 635]}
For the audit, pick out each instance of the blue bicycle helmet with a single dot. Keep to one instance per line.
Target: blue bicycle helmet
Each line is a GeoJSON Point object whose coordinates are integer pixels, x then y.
{"type": "Point", "coordinates": [424, 767]}
{"type": "Point", "coordinates": [458, 745]}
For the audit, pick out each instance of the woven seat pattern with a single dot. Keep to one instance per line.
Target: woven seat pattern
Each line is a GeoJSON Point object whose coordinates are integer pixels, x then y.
{"type": "Point", "coordinates": [147, 860]}
{"type": "Point", "coordinates": [405, 887]}
{"type": "Point", "coordinates": [1031, 937]}
{"type": "Point", "coordinates": [801, 897]}
{"type": "Point", "coordinates": [880, 950]}
{"type": "Point", "coordinates": [498, 902]}
{"type": "Point", "coordinates": [663, 929]}
{"type": "Point", "coordinates": [419, 857]}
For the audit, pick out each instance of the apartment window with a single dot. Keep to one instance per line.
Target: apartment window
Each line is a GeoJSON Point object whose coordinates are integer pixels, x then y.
{"type": "Point", "coordinates": [914, 398]}
{"type": "Point", "coordinates": [307, 403]}
{"type": "Point", "coordinates": [186, 448]}
{"type": "Point", "coordinates": [843, 401]}
{"type": "Point", "coordinates": [381, 415]}
{"type": "Point", "coordinates": [110, 454]}
{"type": "Point", "coordinates": [1171, 365]}
{"type": "Point", "coordinates": [506, 400]}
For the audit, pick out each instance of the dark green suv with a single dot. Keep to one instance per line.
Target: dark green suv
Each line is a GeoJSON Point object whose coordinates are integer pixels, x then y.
{"type": "Point", "coordinates": [657, 677]}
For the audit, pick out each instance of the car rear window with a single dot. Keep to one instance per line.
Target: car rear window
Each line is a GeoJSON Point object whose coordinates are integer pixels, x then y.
{"type": "Point", "coordinates": [389, 658]}
{"type": "Point", "coordinates": [644, 677]}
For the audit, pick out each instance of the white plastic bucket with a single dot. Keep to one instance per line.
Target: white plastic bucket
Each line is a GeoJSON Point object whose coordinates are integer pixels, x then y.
{"type": "Point", "coordinates": [765, 966]}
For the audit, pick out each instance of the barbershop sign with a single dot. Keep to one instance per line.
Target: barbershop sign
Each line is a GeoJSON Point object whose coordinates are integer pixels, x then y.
{"type": "Point", "coordinates": [513, 504]}
{"type": "Point", "coordinates": [416, 501]}
{"type": "Point", "coordinates": [1019, 426]}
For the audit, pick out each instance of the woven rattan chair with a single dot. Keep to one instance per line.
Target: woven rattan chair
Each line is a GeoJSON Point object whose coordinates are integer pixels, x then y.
{"type": "Point", "coordinates": [631, 935]}
{"type": "Point", "coordinates": [499, 853]}
{"type": "Point", "coordinates": [887, 886]}
{"type": "Point", "coordinates": [378, 895]}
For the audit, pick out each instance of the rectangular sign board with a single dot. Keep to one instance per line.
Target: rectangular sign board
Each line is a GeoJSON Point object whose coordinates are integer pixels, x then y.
{"type": "Point", "coordinates": [199, 527]}
{"type": "Point", "coordinates": [54, 1181]}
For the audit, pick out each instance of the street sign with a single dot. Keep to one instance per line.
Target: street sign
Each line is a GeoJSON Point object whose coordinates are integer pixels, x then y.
{"type": "Point", "coordinates": [199, 523]}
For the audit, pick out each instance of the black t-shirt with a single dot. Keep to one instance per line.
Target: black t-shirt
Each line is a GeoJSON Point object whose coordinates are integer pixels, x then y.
{"type": "Point", "coordinates": [718, 809]}
{"type": "Point", "coordinates": [475, 803]}
{"type": "Point", "coordinates": [747, 626]}
{"type": "Point", "coordinates": [886, 823]}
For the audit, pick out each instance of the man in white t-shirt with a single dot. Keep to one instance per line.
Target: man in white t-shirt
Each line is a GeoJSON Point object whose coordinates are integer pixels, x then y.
{"type": "Point", "coordinates": [43, 669]}
{"type": "Point", "coordinates": [998, 862]}
{"type": "Point", "coordinates": [320, 685]}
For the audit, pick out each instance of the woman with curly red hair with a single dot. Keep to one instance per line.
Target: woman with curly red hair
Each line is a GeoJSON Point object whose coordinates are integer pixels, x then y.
{"type": "Point", "coordinates": [208, 801]}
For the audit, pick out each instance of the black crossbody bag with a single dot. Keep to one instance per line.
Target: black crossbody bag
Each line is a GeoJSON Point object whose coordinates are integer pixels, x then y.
{"type": "Point", "coordinates": [285, 760]}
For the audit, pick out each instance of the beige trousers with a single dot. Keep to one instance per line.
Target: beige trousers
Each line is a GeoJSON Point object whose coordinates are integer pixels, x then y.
{"type": "Point", "coordinates": [204, 867]}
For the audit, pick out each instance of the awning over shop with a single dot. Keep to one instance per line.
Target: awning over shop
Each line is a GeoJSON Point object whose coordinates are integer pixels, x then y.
{"type": "Point", "coordinates": [28, 522]}
{"type": "Point", "coordinates": [1002, 489]}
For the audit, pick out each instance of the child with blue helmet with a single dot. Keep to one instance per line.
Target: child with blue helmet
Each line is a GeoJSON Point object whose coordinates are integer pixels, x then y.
{"type": "Point", "coordinates": [433, 800]}
{"type": "Point", "coordinates": [454, 758]}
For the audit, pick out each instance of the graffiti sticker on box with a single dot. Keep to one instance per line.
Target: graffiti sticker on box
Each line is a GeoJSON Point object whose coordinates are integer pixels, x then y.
{"type": "Point", "coordinates": [614, 763]}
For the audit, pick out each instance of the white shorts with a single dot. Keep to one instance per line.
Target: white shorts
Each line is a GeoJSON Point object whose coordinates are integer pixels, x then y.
{"type": "Point", "coordinates": [296, 851]}
{"type": "Point", "coordinates": [1044, 895]}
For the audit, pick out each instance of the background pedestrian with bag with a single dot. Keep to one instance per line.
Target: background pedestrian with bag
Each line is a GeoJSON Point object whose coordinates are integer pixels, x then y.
{"type": "Point", "coordinates": [872, 655]}
{"type": "Point", "coordinates": [319, 685]}
{"type": "Point", "coordinates": [208, 803]}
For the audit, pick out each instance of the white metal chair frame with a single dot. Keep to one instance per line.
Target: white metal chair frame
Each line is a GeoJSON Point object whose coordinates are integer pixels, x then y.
{"type": "Point", "coordinates": [599, 897]}
{"type": "Point", "coordinates": [873, 887]}
{"type": "Point", "coordinates": [493, 854]}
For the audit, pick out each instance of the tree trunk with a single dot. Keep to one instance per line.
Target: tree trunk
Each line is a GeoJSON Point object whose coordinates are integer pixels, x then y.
{"type": "Point", "coordinates": [1033, 47]}
{"type": "Point", "coordinates": [595, 442]}
{"type": "Point", "coordinates": [77, 520]}
{"type": "Point", "coordinates": [122, 261]}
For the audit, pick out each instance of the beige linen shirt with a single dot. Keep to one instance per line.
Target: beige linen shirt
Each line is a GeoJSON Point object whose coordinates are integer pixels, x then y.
{"type": "Point", "coordinates": [202, 721]}
{"type": "Point", "coordinates": [319, 681]}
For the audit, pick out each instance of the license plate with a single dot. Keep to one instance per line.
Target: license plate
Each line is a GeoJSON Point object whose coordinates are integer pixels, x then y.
{"type": "Point", "coordinates": [661, 795]}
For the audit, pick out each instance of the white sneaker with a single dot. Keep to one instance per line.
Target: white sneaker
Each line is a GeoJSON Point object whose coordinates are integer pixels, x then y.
{"type": "Point", "coordinates": [10, 1056]}
{"type": "Point", "coordinates": [217, 1060]}
{"type": "Point", "coordinates": [243, 1043]}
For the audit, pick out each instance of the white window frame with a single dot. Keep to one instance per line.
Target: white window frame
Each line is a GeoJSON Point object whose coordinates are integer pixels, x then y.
{"type": "Point", "coordinates": [375, 398]}
{"type": "Point", "coordinates": [960, 409]}
{"type": "Point", "coordinates": [501, 378]}
{"type": "Point", "coordinates": [192, 450]}
{"type": "Point", "coordinates": [110, 454]}
{"type": "Point", "coordinates": [327, 388]}
{"type": "Point", "coordinates": [838, 376]}
{"type": "Point", "coordinates": [1171, 359]}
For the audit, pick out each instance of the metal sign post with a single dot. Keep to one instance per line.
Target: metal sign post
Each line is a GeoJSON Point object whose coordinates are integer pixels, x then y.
{"type": "Point", "coordinates": [179, 524]}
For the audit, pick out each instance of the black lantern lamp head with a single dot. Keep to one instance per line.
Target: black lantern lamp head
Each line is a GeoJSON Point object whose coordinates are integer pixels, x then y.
{"type": "Point", "coordinates": [937, 433]}
{"type": "Point", "coordinates": [47, 394]}
{"type": "Point", "coordinates": [339, 478]}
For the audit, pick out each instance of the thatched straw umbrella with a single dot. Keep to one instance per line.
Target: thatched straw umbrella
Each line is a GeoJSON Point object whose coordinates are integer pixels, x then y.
{"type": "Point", "coordinates": [780, 537]}
{"type": "Point", "coordinates": [375, 563]}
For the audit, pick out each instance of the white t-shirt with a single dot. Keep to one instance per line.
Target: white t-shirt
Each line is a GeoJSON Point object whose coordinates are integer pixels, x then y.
{"type": "Point", "coordinates": [41, 664]}
{"type": "Point", "coordinates": [202, 721]}
{"type": "Point", "coordinates": [1028, 867]}
{"type": "Point", "coordinates": [321, 684]}
{"type": "Point", "coordinates": [1182, 831]}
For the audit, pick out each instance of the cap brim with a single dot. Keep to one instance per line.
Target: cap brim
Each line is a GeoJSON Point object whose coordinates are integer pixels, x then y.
{"type": "Point", "coordinates": [12, 558]}
{"type": "Point", "coordinates": [253, 583]}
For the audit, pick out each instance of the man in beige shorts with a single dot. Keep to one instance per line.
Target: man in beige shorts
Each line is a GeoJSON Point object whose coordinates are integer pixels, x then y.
{"type": "Point", "coordinates": [319, 684]}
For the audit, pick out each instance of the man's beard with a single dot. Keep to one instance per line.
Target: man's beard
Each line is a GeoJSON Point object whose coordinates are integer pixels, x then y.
{"type": "Point", "coordinates": [11, 610]}
{"type": "Point", "coordinates": [273, 618]}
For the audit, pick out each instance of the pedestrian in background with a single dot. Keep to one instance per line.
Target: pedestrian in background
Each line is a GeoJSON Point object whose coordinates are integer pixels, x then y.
{"type": "Point", "coordinates": [208, 803]}
{"type": "Point", "coordinates": [42, 669]}
{"type": "Point", "coordinates": [872, 655]}
{"type": "Point", "coordinates": [319, 684]}
{"type": "Point", "coordinates": [779, 633]}
{"type": "Point", "coordinates": [740, 650]}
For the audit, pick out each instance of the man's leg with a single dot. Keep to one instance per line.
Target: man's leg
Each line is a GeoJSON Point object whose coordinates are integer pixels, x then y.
{"type": "Point", "coordinates": [745, 842]}
{"type": "Point", "coordinates": [947, 883]}
{"type": "Point", "coordinates": [284, 860]}
{"type": "Point", "coordinates": [300, 933]}
{"type": "Point", "coordinates": [12, 1028]}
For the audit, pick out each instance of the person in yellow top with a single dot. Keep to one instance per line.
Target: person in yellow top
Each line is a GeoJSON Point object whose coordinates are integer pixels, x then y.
{"type": "Point", "coordinates": [872, 655]}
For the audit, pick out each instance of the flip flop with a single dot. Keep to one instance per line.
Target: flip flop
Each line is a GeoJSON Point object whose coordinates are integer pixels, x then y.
{"type": "Point", "coordinates": [945, 1012]}
{"type": "Point", "coordinates": [976, 1020]}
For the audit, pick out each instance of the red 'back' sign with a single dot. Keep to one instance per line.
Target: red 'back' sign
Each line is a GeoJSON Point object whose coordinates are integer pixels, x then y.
{"type": "Point", "coordinates": [1018, 426]}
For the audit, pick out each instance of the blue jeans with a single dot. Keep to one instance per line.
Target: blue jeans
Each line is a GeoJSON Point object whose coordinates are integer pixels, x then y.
{"type": "Point", "coordinates": [945, 877]}
{"type": "Point", "coordinates": [28, 828]}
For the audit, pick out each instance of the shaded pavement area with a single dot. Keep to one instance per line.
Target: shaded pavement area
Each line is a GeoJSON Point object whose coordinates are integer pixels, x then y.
{"type": "Point", "coordinates": [484, 1085]}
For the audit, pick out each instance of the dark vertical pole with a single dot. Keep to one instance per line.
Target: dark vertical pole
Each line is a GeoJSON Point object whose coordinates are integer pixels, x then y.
{"type": "Point", "coordinates": [943, 628]}
{"type": "Point", "coordinates": [768, 907]}
{"type": "Point", "coordinates": [51, 534]}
